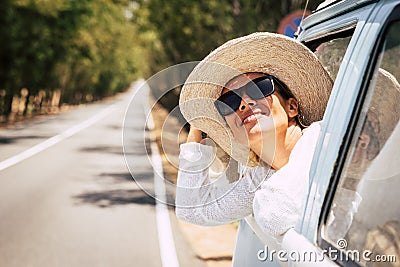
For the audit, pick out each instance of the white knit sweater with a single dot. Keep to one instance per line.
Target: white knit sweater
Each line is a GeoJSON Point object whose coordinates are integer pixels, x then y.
{"type": "Point", "coordinates": [277, 204]}
{"type": "Point", "coordinates": [206, 198]}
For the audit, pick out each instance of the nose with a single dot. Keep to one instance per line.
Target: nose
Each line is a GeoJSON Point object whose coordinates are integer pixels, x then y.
{"type": "Point", "coordinates": [246, 102]}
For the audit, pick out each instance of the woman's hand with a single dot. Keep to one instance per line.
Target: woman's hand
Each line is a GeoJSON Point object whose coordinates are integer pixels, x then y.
{"type": "Point", "coordinates": [195, 135]}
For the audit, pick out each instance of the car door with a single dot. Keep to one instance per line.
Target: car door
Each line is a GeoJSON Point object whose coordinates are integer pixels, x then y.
{"type": "Point", "coordinates": [361, 216]}
{"type": "Point", "coordinates": [352, 215]}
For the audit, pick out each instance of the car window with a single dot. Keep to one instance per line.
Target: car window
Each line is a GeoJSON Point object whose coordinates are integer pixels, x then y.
{"type": "Point", "coordinates": [331, 54]}
{"type": "Point", "coordinates": [364, 217]}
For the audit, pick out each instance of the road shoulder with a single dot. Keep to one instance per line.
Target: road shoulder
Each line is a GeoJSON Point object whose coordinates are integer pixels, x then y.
{"type": "Point", "coordinates": [213, 245]}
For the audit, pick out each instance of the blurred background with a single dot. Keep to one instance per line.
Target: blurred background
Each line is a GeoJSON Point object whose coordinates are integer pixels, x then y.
{"type": "Point", "coordinates": [70, 52]}
{"type": "Point", "coordinates": [68, 71]}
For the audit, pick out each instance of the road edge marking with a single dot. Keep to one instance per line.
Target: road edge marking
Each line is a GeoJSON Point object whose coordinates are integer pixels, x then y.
{"type": "Point", "coordinates": [169, 257]}
{"type": "Point", "coordinates": [168, 254]}
{"type": "Point", "coordinates": [54, 140]}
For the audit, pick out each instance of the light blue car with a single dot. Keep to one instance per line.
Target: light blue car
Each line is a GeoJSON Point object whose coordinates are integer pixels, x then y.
{"type": "Point", "coordinates": [352, 216]}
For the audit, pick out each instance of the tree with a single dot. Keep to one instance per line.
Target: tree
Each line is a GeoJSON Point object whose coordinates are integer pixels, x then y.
{"type": "Point", "coordinates": [81, 47]}
{"type": "Point", "coordinates": [104, 56]}
{"type": "Point", "coordinates": [177, 31]}
{"type": "Point", "coordinates": [181, 31]}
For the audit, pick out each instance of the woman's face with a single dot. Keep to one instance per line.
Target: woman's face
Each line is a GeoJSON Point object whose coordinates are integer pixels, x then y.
{"type": "Point", "coordinates": [256, 121]}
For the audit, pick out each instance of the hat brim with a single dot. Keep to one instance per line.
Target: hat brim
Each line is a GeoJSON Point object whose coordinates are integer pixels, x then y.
{"type": "Point", "coordinates": [274, 54]}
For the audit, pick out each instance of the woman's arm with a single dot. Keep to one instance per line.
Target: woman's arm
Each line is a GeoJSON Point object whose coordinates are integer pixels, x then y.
{"type": "Point", "coordinates": [205, 201]}
{"type": "Point", "coordinates": [195, 135]}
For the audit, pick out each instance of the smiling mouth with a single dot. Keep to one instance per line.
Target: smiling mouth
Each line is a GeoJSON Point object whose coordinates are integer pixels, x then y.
{"type": "Point", "coordinates": [252, 117]}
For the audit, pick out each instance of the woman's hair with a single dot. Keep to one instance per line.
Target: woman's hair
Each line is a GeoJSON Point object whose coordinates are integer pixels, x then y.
{"type": "Point", "coordinates": [282, 89]}
{"type": "Point", "coordinates": [286, 94]}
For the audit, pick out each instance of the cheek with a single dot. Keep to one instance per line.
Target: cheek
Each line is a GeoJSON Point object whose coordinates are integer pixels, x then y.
{"type": "Point", "coordinates": [278, 111]}
{"type": "Point", "coordinates": [238, 132]}
{"type": "Point", "coordinates": [276, 119]}
{"type": "Point", "coordinates": [267, 101]}
{"type": "Point", "coordinates": [266, 105]}
{"type": "Point", "coordinates": [267, 124]}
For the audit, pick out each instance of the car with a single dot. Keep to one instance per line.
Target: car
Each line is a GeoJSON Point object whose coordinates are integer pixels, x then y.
{"type": "Point", "coordinates": [352, 212]}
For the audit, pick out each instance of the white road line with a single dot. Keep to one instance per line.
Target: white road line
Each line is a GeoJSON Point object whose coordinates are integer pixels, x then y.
{"type": "Point", "coordinates": [55, 139]}
{"type": "Point", "coordinates": [165, 237]}
{"type": "Point", "coordinates": [168, 254]}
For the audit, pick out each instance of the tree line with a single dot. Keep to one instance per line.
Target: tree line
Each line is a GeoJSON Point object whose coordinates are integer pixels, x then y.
{"type": "Point", "coordinates": [75, 51]}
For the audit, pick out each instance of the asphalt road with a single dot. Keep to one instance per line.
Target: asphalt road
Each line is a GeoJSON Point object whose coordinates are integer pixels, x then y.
{"type": "Point", "coordinates": [68, 199]}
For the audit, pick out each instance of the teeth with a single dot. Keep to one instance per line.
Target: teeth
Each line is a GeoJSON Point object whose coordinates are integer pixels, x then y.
{"type": "Point", "coordinates": [251, 117]}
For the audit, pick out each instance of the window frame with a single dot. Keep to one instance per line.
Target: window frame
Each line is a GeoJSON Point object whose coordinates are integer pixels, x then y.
{"type": "Point", "coordinates": [356, 21]}
{"type": "Point", "coordinates": [349, 135]}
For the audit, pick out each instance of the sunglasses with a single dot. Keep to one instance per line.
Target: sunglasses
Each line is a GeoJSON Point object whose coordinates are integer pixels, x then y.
{"type": "Point", "coordinates": [257, 89]}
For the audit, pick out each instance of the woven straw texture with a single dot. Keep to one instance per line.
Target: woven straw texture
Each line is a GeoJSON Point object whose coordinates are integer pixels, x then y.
{"type": "Point", "coordinates": [384, 104]}
{"type": "Point", "coordinates": [269, 53]}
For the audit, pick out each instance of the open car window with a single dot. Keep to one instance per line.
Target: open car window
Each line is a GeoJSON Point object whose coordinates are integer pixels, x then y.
{"type": "Point", "coordinates": [331, 53]}
{"type": "Point", "coordinates": [364, 219]}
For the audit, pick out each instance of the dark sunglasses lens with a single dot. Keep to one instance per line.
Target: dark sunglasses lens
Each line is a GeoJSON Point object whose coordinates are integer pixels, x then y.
{"type": "Point", "coordinates": [260, 89]}
{"type": "Point", "coordinates": [257, 89]}
{"type": "Point", "coordinates": [228, 103]}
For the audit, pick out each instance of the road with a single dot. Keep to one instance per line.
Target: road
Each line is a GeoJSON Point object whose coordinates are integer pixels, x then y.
{"type": "Point", "coordinates": [68, 199]}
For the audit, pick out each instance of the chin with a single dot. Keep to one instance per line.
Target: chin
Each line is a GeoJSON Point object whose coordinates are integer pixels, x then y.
{"type": "Point", "coordinates": [251, 137]}
{"type": "Point", "coordinates": [255, 135]}
{"type": "Point", "coordinates": [266, 125]}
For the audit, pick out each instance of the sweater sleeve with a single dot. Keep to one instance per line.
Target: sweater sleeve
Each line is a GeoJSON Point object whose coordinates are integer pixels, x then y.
{"type": "Point", "coordinates": [278, 204]}
{"type": "Point", "coordinates": [205, 201]}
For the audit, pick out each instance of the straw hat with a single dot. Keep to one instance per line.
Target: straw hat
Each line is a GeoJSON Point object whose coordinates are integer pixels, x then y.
{"type": "Point", "coordinates": [383, 110]}
{"type": "Point", "coordinates": [384, 106]}
{"type": "Point", "coordinates": [269, 53]}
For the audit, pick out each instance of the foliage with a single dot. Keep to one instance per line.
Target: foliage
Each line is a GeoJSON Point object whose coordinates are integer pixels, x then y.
{"type": "Point", "coordinates": [88, 49]}
{"type": "Point", "coordinates": [83, 47]}
{"type": "Point", "coordinates": [184, 30]}
{"type": "Point", "coordinates": [102, 58]}
{"type": "Point", "coordinates": [179, 31]}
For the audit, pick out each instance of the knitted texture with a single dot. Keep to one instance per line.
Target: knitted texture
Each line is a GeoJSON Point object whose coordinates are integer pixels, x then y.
{"type": "Point", "coordinates": [279, 203]}
{"type": "Point", "coordinates": [202, 200]}
{"type": "Point", "coordinates": [276, 204]}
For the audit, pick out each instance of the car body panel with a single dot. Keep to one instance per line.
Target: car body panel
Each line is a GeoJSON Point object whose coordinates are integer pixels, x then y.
{"type": "Point", "coordinates": [367, 18]}
{"type": "Point", "coordinates": [341, 104]}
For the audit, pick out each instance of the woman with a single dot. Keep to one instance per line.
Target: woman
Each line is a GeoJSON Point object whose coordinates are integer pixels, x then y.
{"type": "Point", "coordinates": [253, 96]}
